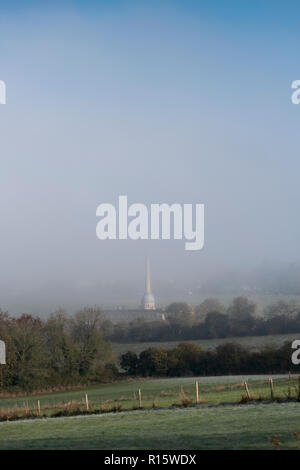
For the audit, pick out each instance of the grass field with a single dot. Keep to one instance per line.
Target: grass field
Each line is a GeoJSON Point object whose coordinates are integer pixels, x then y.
{"type": "Point", "coordinates": [158, 393]}
{"type": "Point", "coordinates": [251, 342]}
{"type": "Point", "coordinates": [208, 425]}
{"type": "Point", "coordinates": [224, 427]}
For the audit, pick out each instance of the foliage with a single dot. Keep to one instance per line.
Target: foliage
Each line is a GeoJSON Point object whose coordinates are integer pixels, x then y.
{"type": "Point", "coordinates": [189, 359]}
{"type": "Point", "coordinates": [58, 351]}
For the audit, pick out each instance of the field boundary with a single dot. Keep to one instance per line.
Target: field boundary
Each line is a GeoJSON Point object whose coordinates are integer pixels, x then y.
{"type": "Point", "coordinates": [114, 410]}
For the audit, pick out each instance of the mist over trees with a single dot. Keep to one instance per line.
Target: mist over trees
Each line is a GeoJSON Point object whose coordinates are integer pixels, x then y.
{"type": "Point", "coordinates": [210, 320]}
{"type": "Point", "coordinates": [269, 278]}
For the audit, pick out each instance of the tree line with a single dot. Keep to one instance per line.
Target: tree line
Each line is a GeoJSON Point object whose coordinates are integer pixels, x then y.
{"type": "Point", "coordinates": [188, 359]}
{"type": "Point", "coordinates": [210, 320]}
{"type": "Point", "coordinates": [64, 350]}
{"type": "Point", "coordinates": [58, 351]}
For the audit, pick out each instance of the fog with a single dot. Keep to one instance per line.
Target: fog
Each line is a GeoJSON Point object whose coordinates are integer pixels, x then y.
{"type": "Point", "coordinates": [167, 102]}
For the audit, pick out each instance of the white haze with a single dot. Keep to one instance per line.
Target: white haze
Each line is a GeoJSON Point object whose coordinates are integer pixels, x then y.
{"type": "Point", "coordinates": [159, 107]}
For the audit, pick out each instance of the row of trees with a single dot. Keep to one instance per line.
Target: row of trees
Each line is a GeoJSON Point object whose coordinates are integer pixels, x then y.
{"type": "Point", "coordinates": [210, 320]}
{"type": "Point", "coordinates": [67, 350]}
{"type": "Point", "coordinates": [188, 359]}
{"type": "Point", "coordinates": [59, 351]}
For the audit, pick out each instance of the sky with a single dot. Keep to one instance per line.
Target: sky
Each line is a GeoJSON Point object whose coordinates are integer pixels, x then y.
{"type": "Point", "coordinates": [162, 101]}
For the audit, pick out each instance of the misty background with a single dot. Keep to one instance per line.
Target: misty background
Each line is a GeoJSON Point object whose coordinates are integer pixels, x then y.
{"type": "Point", "coordinates": [162, 101]}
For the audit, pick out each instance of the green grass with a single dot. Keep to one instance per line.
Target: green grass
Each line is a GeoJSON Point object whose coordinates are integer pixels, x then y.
{"type": "Point", "coordinates": [209, 425]}
{"type": "Point", "coordinates": [224, 427]}
{"type": "Point", "coordinates": [160, 392]}
{"type": "Point", "coordinates": [251, 342]}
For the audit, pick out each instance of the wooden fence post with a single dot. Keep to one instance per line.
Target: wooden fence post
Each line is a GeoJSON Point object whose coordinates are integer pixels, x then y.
{"type": "Point", "coordinates": [289, 387]}
{"type": "Point", "coordinates": [247, 390]}
{"type": "Point", "coordinates": [140, 398]}
{"type": "Point", "coordinates": [86, 402]}
{"type": "Point", "coordinates": [197, 391]}
{"type": "Point", "coordinates": [271, 388]}
{"type": "Point", "coordinates": [39, 407]}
